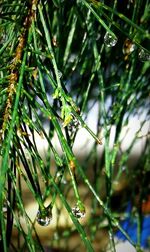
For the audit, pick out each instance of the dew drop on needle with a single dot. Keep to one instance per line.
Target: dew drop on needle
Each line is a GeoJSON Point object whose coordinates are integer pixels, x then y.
{"type": "Point", "coordinates": [44, 216]}
{"type": "Point", "coordinates": [60, 74]}
{"type": "Point", "coordinates": [128, 47]}
{"type": "Point", "coordinates": [109, 40]}
{"type": "Point", "coordinates": [143, 55]}
{"type": "Point", "coordinates": [77, 212]}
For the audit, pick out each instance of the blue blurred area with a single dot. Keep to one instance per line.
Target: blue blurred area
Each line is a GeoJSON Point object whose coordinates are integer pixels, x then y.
{"type": "Point", "coordinates": [130, 226]}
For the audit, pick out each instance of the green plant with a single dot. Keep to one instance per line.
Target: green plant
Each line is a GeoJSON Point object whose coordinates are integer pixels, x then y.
{"type": "Point", "coordinates": [57, 58]}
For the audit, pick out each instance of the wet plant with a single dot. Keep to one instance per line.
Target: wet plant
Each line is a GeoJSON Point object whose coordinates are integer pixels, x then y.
{"type": "Point", "coordinates": [59, 60]}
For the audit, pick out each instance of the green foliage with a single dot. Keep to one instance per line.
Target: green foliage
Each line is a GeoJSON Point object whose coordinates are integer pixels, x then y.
{"type": "Point", "coordinates": [57, 58]}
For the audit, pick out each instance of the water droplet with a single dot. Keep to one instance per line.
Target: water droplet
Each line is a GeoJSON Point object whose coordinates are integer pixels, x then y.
{"type": "Point", "coordinates": [114, 222]}
{"type": "Point", "coordinates": [110, 236]}
{"type": "Point", "coordinates": [123, 168]}
{"type": "Point", "coordinates": [78, 213]}
{"type": "Point", "coordinates": [116, 185]}
{"type": "Point", "coordinates": [144, 56]}
{"type": "Point", "coordinates": [73, 126]}
{"type": "Point", "coordinates": [59, 174]}
{"type": "Point", "coordinates": [109, 40]}
{"type": "Point", "coordinates": [54, 41]}
{"type": "Point", "coordinates": [59, 74]}
{"type": "Point", "coordinates": [64, 181]}
{"type": "Point", "coordinates": [4, 209]}
{"type": "Point", "coordinates": [128, 47]}
{"type": "Point", "coordinates": [44, 216]}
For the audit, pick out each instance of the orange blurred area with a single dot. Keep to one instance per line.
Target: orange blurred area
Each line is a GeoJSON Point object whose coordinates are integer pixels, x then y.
{"type": "Point", "coordinates": [146, 206]}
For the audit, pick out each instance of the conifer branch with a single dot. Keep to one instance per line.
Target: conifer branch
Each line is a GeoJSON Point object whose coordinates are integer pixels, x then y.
{"type": "Point", "coordinates": [14, 66]}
